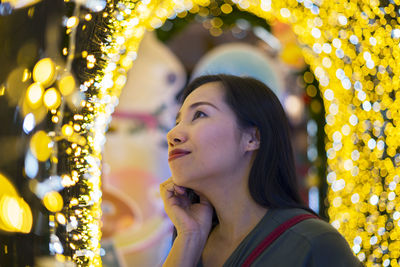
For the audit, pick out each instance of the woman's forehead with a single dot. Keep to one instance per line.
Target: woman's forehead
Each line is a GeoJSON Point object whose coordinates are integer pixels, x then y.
{"type": "Point", "coordinates": [211, 92]}
{"type": "Point", "coordinates": [208, 94]}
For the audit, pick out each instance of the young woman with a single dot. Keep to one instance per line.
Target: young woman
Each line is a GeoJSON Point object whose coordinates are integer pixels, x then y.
{"type": "Point", "coordinates": [233, 194]}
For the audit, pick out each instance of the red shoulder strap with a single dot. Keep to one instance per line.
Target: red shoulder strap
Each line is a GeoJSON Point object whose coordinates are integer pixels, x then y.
{"type": "Point", "coordinates": [274, 235]}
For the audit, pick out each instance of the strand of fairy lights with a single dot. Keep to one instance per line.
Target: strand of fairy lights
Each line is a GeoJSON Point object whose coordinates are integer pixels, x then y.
{"type": "Point", "coordinates": [352, 49]}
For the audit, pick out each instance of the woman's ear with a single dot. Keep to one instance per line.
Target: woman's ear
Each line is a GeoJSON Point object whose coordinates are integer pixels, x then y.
{"type": "Point", "coordinates": [253, 139]}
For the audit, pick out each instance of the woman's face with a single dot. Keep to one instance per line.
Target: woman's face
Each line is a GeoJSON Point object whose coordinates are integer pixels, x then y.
{"type": "Point", "coordinates": [206, 127]}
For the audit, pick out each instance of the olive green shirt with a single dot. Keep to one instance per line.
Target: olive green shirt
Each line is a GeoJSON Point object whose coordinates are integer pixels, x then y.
{"type": "Point", "coordinates": [312, 242]}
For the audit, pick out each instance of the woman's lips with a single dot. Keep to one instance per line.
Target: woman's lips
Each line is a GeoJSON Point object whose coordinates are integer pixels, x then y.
{"type": "Point", "coordinates": [177, 155]}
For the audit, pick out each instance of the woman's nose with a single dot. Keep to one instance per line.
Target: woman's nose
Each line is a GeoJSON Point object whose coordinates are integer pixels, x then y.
{"type": "Point", "coordinates": [175, 138]}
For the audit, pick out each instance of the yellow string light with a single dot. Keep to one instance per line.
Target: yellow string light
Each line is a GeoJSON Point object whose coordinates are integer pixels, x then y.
{"type": "Point", "coordinates": [352, 50]}
{"type": "Point", "coordinates": [44, 72]}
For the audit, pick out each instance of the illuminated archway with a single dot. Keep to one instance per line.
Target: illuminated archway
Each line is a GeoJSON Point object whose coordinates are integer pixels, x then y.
{"type": "Point", "coordinates": [353, 49]}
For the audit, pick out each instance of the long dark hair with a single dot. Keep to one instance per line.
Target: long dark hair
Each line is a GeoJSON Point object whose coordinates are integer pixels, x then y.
{"type": "Point", "coordinates": [272, 180]}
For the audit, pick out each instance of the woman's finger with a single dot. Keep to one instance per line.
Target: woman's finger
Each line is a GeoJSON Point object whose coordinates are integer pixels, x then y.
{"type": "Point", "coordinates": [166, 192]}
{"type": "Point", "coordinates": [179, 189]}
{"type": "Point", "coordinates": [172, 195]}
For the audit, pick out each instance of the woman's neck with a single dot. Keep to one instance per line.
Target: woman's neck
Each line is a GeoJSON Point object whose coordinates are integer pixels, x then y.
{"type": "Point", "coordinates": [236, 210]}
{"type": "Point", "coordinates": [237, 224]}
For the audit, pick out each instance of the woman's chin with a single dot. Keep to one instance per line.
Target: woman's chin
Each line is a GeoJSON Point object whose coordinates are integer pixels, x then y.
{"type": "Point", "coordinates": [181, 180]}
{"type": "Point", "coordinates": [178, 180]}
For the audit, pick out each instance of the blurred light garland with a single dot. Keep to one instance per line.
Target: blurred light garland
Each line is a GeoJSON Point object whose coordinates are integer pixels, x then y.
{"type": "Point", "coordinates": [123, 24]}
{"type": "Point", "coordinates": [217, 17]}
{"type": "Point", "coordinates": [352, 48]}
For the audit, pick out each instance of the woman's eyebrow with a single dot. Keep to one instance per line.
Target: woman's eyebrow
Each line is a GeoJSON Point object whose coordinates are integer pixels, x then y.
{"type": "Point", "coordinates": [192, 106]}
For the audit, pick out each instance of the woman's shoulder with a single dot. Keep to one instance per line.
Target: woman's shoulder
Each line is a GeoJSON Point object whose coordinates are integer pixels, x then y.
{"type": "Point", "coordinates": [326, 245]}
{"type": "Point", "coordinates": [314, 230]}
{"type": "Point", "coordinates": [308, 228]}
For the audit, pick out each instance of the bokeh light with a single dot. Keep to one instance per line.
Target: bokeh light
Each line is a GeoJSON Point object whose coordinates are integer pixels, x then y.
{"type": "Point", "coordinates": [52, 98]}
{"type": "Point", "coordinates": [66, 85]}
{"type": "Point", "coordinates": [53, 201]}
{"type": "Point", "coordinates": [67, 130]}
{"type": "Point", "coordinates": [41, 145]}
{"type": "Point", "coordinates": [34, 95]}
{"type": "Point", "coordinates": [15, 213]}
{"type": "Point", "coordinates": [44, 72]}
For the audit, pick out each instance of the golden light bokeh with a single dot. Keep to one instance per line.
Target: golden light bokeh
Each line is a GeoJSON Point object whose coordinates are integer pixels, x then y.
{"type": "Point", "coordinates": [72, 22]}
{"type": "Point", "coordinates": [53, 201]}
{"type": "Point", "coordinates": [7, 188]}
{"type": "Point", "coordinates": [21, 3]}
{"type": "Point", "coordinates": [44, 72]}
{"type": "Point", "coordinates": [11, 213]}
{"type": "Point", "coordinates": [61, 218]}
{"type": "Point", "coordinates": [2, 89]}
{"type": "Point", "coordinates": [16, 85]}
{"type": "Point", "coordinates": [15, 213]}
{"type": "Point", "coordinates": [39, 112]}
{"type": "Point", "coordinates": [67, 130]}
{"type": "Point", "coordinates": [52, 98]}
{"type": "Point", "coordinates": [34, 95]}
{"type": "Point", "coordinates": [41, 145]}
{"type": "Point", "coordinates": [67, 85]}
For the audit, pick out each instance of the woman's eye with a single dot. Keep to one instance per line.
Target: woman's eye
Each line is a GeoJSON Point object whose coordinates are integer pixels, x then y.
{"type": "Point", "coordinates": [197, 114]}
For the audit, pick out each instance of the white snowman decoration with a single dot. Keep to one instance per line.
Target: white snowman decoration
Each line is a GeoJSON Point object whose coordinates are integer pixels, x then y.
{"type": "Point", "coordinates": [136, 230]}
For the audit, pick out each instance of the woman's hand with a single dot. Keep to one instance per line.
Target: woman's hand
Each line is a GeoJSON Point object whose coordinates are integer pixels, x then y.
{"type": "Point", "coordinates": [192, 222]}
{"type": "Point", "coordinates": [189, 219]}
